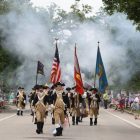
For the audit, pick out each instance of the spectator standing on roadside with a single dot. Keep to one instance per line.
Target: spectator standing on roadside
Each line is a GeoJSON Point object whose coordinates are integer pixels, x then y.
{"type": "Point", "coordinates": [106, 99]}
{"type": "Point", "coordinates": [135, 106]}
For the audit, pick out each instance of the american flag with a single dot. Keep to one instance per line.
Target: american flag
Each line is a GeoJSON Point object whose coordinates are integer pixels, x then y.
{"type": "Point", "coordinates": [56, 70]}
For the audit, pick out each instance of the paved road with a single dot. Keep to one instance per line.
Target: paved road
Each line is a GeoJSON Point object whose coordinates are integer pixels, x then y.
{"type": "Point", "coordinates": [112, 125]}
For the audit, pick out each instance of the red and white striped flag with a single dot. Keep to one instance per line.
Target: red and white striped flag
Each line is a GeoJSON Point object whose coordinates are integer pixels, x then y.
{"type": "Point", "coordinates": [56, 70]}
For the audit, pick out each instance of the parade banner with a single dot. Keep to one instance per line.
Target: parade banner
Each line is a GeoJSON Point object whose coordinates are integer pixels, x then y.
{"type": "Point", "coordinates": [77, 75]}
{"type": "Point", "coordinates": [40, 70]}
{"type": "Point", "coordinates": [100, 71]}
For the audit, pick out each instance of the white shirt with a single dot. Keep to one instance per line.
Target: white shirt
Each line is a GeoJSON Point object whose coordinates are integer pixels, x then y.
{"type": "Point", "coordinates": [136, 100]}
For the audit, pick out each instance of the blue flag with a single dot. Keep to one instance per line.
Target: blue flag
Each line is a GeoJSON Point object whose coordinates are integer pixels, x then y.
{"type": "Point", "coordinates": [100, 71]}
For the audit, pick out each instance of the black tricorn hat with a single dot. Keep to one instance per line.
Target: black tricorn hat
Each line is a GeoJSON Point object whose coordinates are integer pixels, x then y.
{"type": "Point", "coordinates": [85, 88]}
{"type": "Point", "coordinates": [33, 88]}
{"type": "Point", "coordinates": [38, 87]}
{"type": "Point", "coordinates": [68, 88]}
{"type": "Point", "coordinates": [59, 83]}
{"type": "Point", "coordinates": [19, 87]}
{"type": "Point", "coordinates": [73, 87]}
{"type": "Point", "coordinates": [94, 89]}
{"type": "Point", "coordinates": [45, 86]}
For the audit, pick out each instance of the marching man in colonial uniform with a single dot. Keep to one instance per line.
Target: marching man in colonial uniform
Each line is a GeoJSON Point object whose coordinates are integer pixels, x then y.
{"type": "Point", "coordinates": [83, 106]}
{"type": "Point", "coordinates": [93, 102]}
{"type": "Point", "coordinates": [75, 102]}
{"type": "Point", "coordinates": [31, 97]}
{"type": "Point", "coordinates": [39, 104]}
{"type": "Point", "coordinates": [21, 101]}
{"type": "Point", "coordinates": [46, 91]}
{"type": "Point", "coordinates": [60, 102]}
{"type": "Point", "coordinates": [68, 93]}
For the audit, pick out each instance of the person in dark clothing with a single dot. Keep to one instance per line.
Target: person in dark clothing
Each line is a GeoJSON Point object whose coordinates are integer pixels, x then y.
{"type": "Point", "coordinates": [40, 107]}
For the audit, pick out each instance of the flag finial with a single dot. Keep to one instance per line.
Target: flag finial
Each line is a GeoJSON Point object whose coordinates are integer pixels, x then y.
{"type": "Point", "coordinates": [56, 39]}
{"type": "Point", "coordinates": [98, 43]}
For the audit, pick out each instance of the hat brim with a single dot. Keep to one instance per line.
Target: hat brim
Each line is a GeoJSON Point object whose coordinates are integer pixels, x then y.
{"type": "Point", "coordinates": [19, 87]}
{"type": "Point", "coordinates": [36, 87]}
{"type": "Point", "coordinates": [94, 89]}
{"type": "Point", "coordinates": [45, 87]}
{"type": "Point", "coordinates": [59, 84]}
{"type": "Point", "coordinates": [68, 89]}
{"type": "Point", "coordinates": [73, 87]}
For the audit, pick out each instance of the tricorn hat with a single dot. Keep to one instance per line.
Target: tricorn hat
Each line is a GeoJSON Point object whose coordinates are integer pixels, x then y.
{"type": "Point", "coordinates": [85, 88]}
{"type": "Point", "coordinates": [59, 83]}
{"type": "Point", "coordinates": [33, 88]}
{"type": "Point", "coordinates": [38, 87]}
{"type": "Point", "coordinates": [68, 88]}
{"type": "Point", "coordinates": [19, 87]}
{"type": "Point", "coordinates": [94, 89]}
{"type": "Point", "coordinates": [45, 86]}
{"type": "Point", "coordinates": [73, 87]}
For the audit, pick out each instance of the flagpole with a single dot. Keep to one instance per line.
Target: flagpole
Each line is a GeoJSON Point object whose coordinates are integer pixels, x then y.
{"type": "Point", "coordinates": [56, 69]}
{"type": "Point", "coordinates": [95, 70]}
{"type": "Point", "coordinates": [36, 78]}
{"type": "Point", "coordinates": [77, 74]}
{"type": "Point", "coordinates": [37, 73]}
{"type": "Point", "coordinates": [78, 64]}
{"type": "Point", "coordinates": [56, 39]}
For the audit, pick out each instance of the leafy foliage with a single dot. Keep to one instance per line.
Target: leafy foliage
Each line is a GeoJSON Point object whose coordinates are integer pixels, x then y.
{"type": "Point", "coordinates": [8, 61]}
{"type": "Point", "coordinates": [81, 13]}
{"type": "Point", "coordinates": [129, 7]}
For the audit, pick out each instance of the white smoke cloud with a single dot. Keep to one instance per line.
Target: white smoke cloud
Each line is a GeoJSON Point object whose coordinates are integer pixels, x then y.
{"type": "Point", "coordinates": [31, 36]}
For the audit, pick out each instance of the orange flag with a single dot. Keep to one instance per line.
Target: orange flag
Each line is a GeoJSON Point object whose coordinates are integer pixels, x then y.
{"type": "Point", "coordinates": [77, 75]}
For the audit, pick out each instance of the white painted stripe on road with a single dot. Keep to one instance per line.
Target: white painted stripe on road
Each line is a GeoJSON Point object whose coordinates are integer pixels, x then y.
{"type": "Point", "coordinates": [7, 117]}
{"type": "Point", "coordinates": [131, 123]}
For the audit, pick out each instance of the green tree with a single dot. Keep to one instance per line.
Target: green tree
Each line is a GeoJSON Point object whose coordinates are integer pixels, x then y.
{"type": "Point", "coordinates": [129, 7]}
{"type": "Point", "coordinates": [4, 7]}
{"type": "Point", "coordinates": [81, 12]}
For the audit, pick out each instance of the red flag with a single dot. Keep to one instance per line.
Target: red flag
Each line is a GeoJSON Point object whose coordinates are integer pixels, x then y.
{"type": "Point", "coordinates": [56, 70]}
{"type": "Point", "coordinates": [77, 75]}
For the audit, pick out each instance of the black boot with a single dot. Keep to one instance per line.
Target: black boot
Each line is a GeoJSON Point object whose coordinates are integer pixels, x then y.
{"type": "Point", "coordinates": [18, 112]}
{"type": "Point", "coordinates": [35, 121]}
{"type": "Point", "coordinates": [95, 121]}
{"type": "Point", "coordinates": [61, 130]}
{"type": "Point", "coordinates": [77, 120]}
{"type": "Point", "coordinates": [53, 121]}
{"type": "Point", "coordinates": [91, 122]}
{"type": "Point", "coordinates": [21, 113]}
{"type": "Point", "coordinates": [32, 113]}
{"type": "Point", "coordinates": [41, 127]}
{"type": "Point", "coordinates": [73, 120]}
{"type": "Point", "coordinates": [38, 130]}
{"type": "Point", "coordinates": [58, 131]}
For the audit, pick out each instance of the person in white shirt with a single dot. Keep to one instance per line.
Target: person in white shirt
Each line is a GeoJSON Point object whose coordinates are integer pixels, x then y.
{"type": "Point", "coordinates": [135, 106]}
